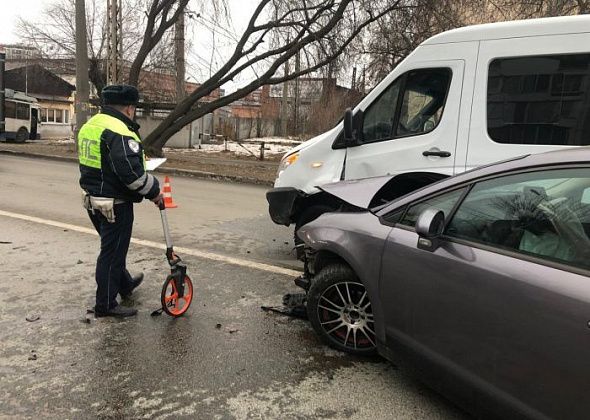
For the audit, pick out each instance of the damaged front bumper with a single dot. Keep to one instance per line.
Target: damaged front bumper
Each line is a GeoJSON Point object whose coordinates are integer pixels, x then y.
{"type": "Point", "coordinates": [304, 280]}
{"type": "Point", "coordinates": [283, 204]}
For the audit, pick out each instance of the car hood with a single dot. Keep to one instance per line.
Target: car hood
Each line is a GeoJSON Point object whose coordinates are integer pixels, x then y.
{"type": "Point", "coordinates": [372, 193]}
{"type": "Point", "coordinates": [358, 192]}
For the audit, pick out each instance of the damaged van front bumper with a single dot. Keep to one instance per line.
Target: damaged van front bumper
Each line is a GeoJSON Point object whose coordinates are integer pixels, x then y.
{"type": "Point", "coordinates": [283, 204]}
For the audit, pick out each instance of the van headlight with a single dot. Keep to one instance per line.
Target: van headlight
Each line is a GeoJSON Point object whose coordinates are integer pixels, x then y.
{"type": "Point", "coordinates": [287, 161]}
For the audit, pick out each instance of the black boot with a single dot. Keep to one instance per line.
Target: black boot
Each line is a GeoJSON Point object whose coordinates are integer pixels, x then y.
{"type": "Point", "coordinates": [136, 281]}
{"type": "Point", "coordinates": [118, 312]}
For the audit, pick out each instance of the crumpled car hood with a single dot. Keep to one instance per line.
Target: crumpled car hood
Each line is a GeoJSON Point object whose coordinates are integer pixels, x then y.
{"type": "Point", "coordinates": [371, 193]}
{"type": "Point", "coordinates": [358, 192]}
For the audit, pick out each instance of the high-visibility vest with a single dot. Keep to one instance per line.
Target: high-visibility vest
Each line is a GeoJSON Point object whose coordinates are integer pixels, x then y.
{"type": "Point", "coordinates": [90, 134]}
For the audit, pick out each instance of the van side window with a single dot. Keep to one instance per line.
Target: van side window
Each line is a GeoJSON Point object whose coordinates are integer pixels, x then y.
{"type": "Point", "coordinates": [378, 121]}
{"type": "Point", "coordinates": [413, 104]}
{"type": "Point", "coordinates": [539, 100]}
{"type": "Point", "coordinates": [424, 98]}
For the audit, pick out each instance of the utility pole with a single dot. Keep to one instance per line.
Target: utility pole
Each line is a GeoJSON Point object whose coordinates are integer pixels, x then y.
{"type": "Point", "coordinates": [115, 42]}
{"type": "Point", "coordinates": [285, 102]}
{"type": "Point", "coordinates": [296, 100]}
{"type": "Point", "coordinates": [2, 93]}
{"type": "Point", "coordinates": [363, 81]}
{"type": "Point", "coordinates": [179, 58]}
{"type": "Point", "coordinates": [82, 87]}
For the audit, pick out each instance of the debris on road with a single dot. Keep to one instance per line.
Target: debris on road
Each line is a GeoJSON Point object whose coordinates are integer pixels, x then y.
{"type": "Point", "coordinates": [218, 326]}
{"type": "Point", "coordinates": [32, 317]}
{"type": "Point", "coordinates": [294, 306]}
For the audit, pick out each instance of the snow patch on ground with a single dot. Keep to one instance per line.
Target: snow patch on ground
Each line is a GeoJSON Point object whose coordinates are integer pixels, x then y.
{"type": "Point", "coordinates": [251, 147]}
{"type": "Point", "coordinates": [272, 146]}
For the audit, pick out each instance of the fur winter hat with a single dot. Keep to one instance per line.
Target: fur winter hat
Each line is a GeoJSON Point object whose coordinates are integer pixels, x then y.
{"type": "Point", "coordinates": [120, 95]}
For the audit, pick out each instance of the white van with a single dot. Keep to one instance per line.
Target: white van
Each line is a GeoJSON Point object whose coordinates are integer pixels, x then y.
{"type": "Point", "coordinates": [463, 98]}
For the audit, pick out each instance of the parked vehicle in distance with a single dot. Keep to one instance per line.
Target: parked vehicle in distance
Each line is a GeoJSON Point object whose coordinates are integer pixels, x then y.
{"type": "Point", "coordinates": [480, 282]}
{"type": "Point", "coordinates": [462, 99]}
{"type": "Point", "coordinates": [21, 117]}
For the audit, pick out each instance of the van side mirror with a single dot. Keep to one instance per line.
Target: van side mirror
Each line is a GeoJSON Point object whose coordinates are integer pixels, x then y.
{"type": "Point", "coordinates": [348, 134]}
{"type": "Point", "coordinates": [429, 227]}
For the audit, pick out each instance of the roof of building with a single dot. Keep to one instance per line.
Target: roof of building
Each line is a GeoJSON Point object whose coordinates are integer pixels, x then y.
{"type": "Point", "coordinates": [514, 29]}
{"type": "Point", "coordinates": [35, 79]}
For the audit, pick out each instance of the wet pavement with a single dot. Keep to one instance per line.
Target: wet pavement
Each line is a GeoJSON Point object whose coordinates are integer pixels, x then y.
{"type": "Point", "coordinates": [231, 219]}
{"type": "Point", "coordinates": [224, 359]}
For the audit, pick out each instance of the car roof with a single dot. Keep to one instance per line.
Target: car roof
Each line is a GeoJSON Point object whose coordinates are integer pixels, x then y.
{"type": "Point", "coordinates": [514, 29]}
{"type": "Point", "coordinates": [573, 155]}
{"type": "Point", "coordinates": [556, 157]}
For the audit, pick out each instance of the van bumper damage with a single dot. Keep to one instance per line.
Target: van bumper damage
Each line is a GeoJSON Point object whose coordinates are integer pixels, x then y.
{"type": "Point", "coordinates": [283, 204]}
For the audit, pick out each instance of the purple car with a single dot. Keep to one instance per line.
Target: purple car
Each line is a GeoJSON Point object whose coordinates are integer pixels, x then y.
{"type": "Point", "coordinates": [480, 282]}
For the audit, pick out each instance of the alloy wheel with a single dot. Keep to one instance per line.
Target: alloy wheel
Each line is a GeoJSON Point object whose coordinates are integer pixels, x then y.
{"type": "Point", "coordinates": [345, 314]}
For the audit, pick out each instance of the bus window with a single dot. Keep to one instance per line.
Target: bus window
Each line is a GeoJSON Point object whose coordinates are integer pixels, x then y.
{"type": "Point", "coordinates": [23, 111]}
{"type": "Point", "coordinates": [10, 109]}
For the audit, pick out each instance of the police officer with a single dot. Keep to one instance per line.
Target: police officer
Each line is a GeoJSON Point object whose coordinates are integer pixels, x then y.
{"type": "Point", "coordinates": [113, 177]}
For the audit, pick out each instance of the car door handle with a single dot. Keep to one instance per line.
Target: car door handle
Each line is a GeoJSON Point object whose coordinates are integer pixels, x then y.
{"type": "Point", "coordinates": [440, 153]}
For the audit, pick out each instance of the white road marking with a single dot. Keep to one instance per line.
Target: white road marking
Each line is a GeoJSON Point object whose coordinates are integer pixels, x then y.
{"type": "Point", "coordinates": [181, 250]}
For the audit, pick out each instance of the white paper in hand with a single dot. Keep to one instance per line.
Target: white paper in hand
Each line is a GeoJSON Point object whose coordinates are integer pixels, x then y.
{"type": "Point", "coordinates": [153, 163]}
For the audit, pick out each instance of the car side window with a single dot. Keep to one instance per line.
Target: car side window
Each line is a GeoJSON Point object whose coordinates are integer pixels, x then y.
{"type": "Point", "coordinates": [543, 214]}
{"type": "Point", "coordinates": [413, 104]}
{"type": "Point", "coordinates": [445, 202]}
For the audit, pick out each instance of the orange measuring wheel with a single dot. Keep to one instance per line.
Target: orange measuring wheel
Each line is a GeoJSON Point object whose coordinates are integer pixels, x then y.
{"type": "Point", "coordinates": [176, 298]}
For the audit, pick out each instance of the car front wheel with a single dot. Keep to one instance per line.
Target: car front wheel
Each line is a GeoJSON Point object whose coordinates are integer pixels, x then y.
{"type": "Point", "coordinates": [340, 311]}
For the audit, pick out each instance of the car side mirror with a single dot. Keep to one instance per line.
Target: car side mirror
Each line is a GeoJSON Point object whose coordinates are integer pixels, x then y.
{"type": "Point", "coordinates": [429, 227]}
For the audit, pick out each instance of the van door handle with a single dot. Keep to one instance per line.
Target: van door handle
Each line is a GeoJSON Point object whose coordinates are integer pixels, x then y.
{"type": "Point", "coordinates": [440, 153]}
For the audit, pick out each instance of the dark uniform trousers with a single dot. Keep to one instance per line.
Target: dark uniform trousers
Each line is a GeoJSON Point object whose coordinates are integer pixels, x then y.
{"type": "Point", "coordinates": [112, 276]}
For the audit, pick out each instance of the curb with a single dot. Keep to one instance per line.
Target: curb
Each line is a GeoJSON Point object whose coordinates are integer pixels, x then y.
{"type": "Point", "coordinates": [189, 173]}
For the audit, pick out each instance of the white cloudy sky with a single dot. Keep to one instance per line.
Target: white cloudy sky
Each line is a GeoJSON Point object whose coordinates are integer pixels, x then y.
{"type": "Point", "coordinates": [9, 12]}
{"type": "Point", "coordinates": [200, 37]}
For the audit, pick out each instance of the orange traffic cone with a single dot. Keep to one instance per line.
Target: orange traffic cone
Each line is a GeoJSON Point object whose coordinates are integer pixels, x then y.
{"type": "Point", "coordinates": [168, 194]}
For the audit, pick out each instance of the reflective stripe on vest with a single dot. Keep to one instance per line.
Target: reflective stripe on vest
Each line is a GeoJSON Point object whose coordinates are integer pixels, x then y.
{"type": "Point", "coordinates": [90, 135]}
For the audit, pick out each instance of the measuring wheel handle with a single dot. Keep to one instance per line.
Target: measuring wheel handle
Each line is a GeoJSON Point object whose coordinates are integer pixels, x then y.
{"type": "Point", "coordinates": [177, 291]}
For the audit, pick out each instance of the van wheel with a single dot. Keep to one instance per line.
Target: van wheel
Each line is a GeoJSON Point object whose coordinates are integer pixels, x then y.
{"type": "Point", "coordinates": [340, 311]}
{"type": "Point", "coordinates": [309, 214]}
{"type": "Point", "coordinates": [21, 135]}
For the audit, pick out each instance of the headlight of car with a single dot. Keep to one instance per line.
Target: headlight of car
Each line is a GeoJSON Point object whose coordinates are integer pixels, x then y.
{"type": "Point", "coordinates": [287, 161]}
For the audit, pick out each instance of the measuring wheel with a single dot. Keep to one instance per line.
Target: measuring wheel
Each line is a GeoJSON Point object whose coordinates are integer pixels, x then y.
{"type": "Point", "coordinates": [176, 298]}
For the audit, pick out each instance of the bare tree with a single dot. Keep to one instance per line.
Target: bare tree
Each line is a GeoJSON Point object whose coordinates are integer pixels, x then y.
{"type": "Point", "coordinates": [55, 37]}
{"type": "Point", "coordinates": [400, 32]}
{"type": "Point", "coordinates": [161, 16]}
{"type": "Point", "coordinates": [277, 30]}
{"type": "Point", "coordinates": [521, 9]}
{"type": "Point", "coordinates": [142, 34]}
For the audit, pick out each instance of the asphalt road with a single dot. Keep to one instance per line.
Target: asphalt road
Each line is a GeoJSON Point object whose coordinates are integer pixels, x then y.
{"type": "Point", "coordinates": [224, 359]}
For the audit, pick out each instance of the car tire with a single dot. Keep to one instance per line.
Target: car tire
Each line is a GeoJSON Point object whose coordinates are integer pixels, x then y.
{"type": "Point", "coordinates": [308, 215]}
{"type": "Point", "coordinates": [340, 311]}
{"type": "Point", "coordinates": [21, 135]}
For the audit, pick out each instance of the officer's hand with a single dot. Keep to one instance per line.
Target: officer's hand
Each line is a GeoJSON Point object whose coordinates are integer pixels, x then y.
{"type": "Point", "coordinates": [158, 200]}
